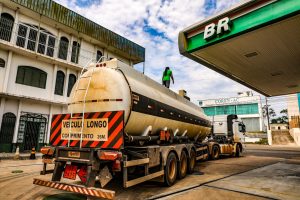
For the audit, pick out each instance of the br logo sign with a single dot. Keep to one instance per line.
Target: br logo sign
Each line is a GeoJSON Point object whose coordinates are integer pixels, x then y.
{"type": "Point", "coordinates": [212, 29]}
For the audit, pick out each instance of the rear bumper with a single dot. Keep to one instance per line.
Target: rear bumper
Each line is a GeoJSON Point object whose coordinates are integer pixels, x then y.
{"type": "Point", "coordinates": [89, 191]}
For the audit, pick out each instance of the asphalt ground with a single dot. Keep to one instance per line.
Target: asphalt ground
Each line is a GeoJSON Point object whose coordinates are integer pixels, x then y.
{"type": "Point", "coordinates": [263, 172]}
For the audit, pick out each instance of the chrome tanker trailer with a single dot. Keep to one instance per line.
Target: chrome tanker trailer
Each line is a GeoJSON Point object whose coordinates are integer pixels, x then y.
{"type": "Point", "coordinates": [119, 121]}
{"type": "Point", "coordinates": [147, 106]}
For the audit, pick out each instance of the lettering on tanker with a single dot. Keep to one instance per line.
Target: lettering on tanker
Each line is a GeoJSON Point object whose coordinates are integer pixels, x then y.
{"type": "Point", "coordinates": [93, 129]}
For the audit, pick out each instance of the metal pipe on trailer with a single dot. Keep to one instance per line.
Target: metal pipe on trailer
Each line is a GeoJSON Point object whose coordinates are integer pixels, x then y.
{"type": "Point", "coordinates": [152, 138]}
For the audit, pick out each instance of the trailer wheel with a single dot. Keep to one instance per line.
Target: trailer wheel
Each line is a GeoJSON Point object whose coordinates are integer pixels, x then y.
{"type": "Point", "coordinates": [215, 153]}
{"type": "Point", "coordinates": [182, 168]}
{"type": "Point", "coordinates": [192, 162]}
{"type": "Point", "coordinates": [171, 169]}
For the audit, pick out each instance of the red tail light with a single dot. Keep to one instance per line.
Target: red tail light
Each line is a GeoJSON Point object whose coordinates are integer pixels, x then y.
{"type": "Point", "coordinates": [47, 150]}
{"type": "Point", "coordinates": [116, 166]}
{"type": "Point", "coordinates": [109, 155]}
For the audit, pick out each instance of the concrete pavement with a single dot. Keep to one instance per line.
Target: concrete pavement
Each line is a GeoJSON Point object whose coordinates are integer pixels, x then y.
{"type": "Point", "coordinates": [253, 176]}
{"type": "Point", "coordinates": [273, 147]}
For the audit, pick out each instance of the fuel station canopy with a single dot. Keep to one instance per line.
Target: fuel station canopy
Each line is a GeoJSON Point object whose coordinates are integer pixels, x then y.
{"type": "Point", "coordinates": [256, 43]}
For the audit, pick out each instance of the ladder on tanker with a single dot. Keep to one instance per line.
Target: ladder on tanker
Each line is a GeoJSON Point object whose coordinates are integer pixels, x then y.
{"type": "Point", "coordinates": [89, 77]}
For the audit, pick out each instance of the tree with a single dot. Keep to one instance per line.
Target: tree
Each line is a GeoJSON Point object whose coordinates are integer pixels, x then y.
{"type": "Point", "coordinates": [281, 119]}
{"type": "Point", "coordinates": [284, 115]}
{"type": "Point", "coordinates": [272, 113]}
{"type": "Point", "coordinates": [277, 120]}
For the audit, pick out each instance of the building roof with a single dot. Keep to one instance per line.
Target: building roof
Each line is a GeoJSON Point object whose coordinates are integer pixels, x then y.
{"type": "Point", "coordinates": [260, 50]}
{"type": "Point", "coordinates": [67, 17]}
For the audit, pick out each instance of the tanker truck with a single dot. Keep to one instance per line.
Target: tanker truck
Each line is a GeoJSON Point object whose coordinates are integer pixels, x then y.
{"type": "Point", "coordinates": [121, 123]}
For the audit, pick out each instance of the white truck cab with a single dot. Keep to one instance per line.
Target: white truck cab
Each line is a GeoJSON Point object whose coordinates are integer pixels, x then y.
{"type": "Point", "coordinates": [227, 136]}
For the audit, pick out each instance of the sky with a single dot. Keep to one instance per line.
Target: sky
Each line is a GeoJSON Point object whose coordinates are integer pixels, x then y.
{"type": "Point", "coordinates": [155, 24]}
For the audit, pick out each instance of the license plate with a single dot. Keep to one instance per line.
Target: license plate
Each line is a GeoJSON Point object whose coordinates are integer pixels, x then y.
{"type": "Point", "coordinates": [74, 154]}
{"type": "Point", "coordinates": [70, 172]}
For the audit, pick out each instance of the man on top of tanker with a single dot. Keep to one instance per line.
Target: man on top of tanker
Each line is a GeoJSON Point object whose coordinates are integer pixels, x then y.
{"type": "Point", "coordinates": [167, 75]}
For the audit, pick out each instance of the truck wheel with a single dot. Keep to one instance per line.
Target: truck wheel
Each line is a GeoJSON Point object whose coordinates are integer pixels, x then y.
{"type": "Point", "coordinates": [237, 151]}
{"type": "Point", "coordinates": [182, 168]}
{"type": "Point", "coordinates": [192, 162]}
{"type": "Point", "coordinates": [171, 169]}
{"type": "Point", "coordinates": [215, 154]}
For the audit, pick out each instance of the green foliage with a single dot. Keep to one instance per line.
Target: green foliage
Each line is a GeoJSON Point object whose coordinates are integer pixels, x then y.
{"type": "Point", "coordinates": [283, 119]}
{"type": "Point", "coordinates": [263, 141]}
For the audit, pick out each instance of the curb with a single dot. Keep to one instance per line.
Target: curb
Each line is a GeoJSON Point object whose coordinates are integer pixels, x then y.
{"type": "Point", "coordinates": [21, 157]}
{"type": "Point", "coordinates": [294, 149]}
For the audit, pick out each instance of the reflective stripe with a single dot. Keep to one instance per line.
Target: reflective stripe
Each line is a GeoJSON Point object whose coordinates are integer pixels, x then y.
{"type": "Point", "coordinates": [94, 101]}
{"type": "Point", "coordinates": [96, 192]}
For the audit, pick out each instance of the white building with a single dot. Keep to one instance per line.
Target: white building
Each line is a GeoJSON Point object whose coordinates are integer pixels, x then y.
{"type": "Point", "coordinates": [293, 102]}
{"type": "Point", "coordinates": [43, 47]}
{"type": "Point", "coordinates": [245, 105]}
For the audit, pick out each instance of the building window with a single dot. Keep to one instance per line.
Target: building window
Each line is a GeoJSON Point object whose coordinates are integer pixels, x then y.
{"type": "Point", "coordinates": [32, 39]}
{"type": "Point", "coordinates": [42, 43]}
{"type": "Point", "coordinates": [225, 110]}
{"type": "Point", "coordinates": [27, 38]}
{"type": "Point", "coordinates": [245, 109]}
{"type": "Point", "coordinates": [220, 110]}
{"type": "Point", "coordinates": [6, 26]}
{"type": "Point", "coordinates": [98, 55]}
{"type": "Point", "coordinates": [63, 48]}
{"type": "Point", "coordinates": [2, 63]}
{"type": "Point", "coordinates": [72, 80]}
{"type": "Point", "coordinates": [21, 38]}
{"type": "Point", "coordinates": [31, 76]}
{"type": "Point", "coordinates": [210, 111]}
{"type": "Point", "coordinates": [75, 52]}
{"type": "Point", "coordinates": [51, 45]}
{"type": "Point", "coordinates": [59, 84]}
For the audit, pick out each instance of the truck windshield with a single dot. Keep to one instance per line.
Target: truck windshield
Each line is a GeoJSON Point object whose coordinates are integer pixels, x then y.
{"type": "Point", "coordinates": [242, 128]}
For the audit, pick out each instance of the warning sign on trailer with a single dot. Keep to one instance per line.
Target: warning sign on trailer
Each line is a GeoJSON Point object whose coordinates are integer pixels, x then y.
{"type": "Point", "coordinates": [93, 129]}
{"type": "Point", "coordinates": [99, 130]}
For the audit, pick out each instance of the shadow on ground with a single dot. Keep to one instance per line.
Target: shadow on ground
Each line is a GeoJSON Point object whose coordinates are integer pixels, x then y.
{"type": "Point", "coordinates": [66, 196]}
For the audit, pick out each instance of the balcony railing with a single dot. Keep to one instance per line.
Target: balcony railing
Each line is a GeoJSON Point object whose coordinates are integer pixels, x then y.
{"type": "Point", "coordinates": [72, 19]}
{"type": "Point", "coordinates": [41, 41]}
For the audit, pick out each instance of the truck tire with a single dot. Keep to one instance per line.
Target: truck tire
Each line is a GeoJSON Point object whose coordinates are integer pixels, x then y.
{"type": "Point", "coordinates": [238, 151]}
{"type": "Point", "coordinates": [171, 169]}
{"type": "Point", "coordinates": [192, 162]}
{"type": "Point", "coordinates": [215, 152]}
{"type": "Point", "coordinates": [182, 165]}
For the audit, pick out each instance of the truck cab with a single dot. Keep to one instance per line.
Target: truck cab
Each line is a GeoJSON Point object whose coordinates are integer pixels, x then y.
{"type": "Point", "coordinates": [227, 136]}
{"type": "Point", "coordinates": [239, 130]}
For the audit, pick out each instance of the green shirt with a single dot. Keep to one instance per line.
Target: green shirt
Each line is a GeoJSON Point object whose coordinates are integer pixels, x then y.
{"type": "Point", "coordinates": [167, 77]}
